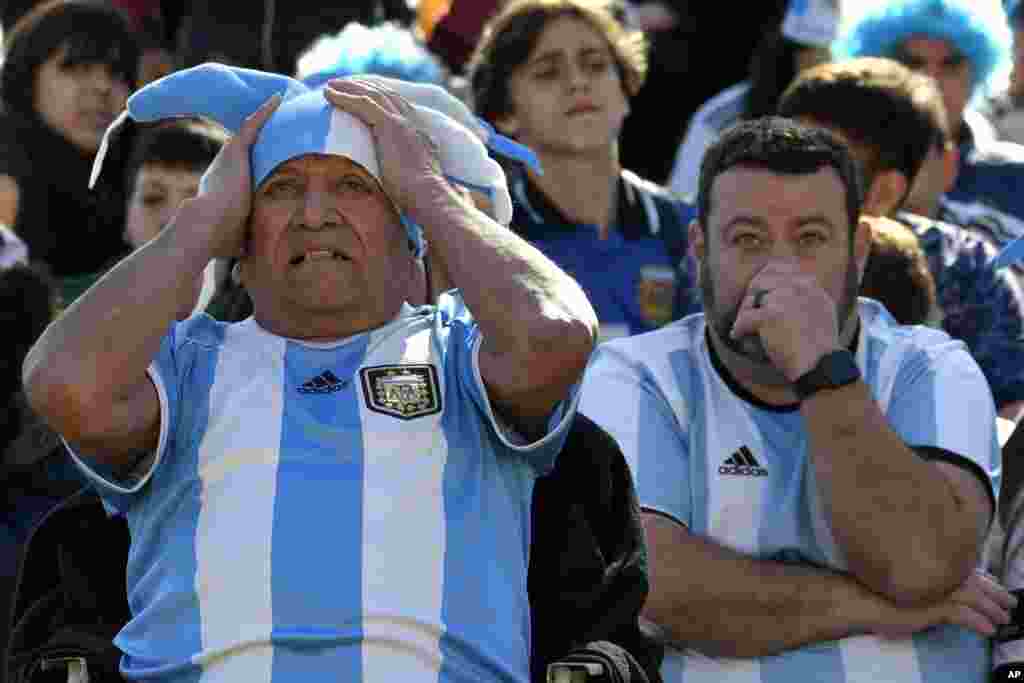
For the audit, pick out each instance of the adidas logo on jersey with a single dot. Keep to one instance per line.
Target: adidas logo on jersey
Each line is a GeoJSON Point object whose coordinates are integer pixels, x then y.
{"type": "Point", "coordinates": [742, 463]}
{"type": "Point", "coordinates": [324, 383]}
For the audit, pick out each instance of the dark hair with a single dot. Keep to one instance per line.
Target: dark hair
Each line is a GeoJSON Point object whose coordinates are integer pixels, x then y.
{"type": "Point", "coordinates": [772, 68]}
{"type": "Point", "coordinates": [190, 144]}
{"type": "Point", "coordinates": [511, 35]}
{"type": "Point", "coordinates": [93, 31]}
{"type": "Point", "coordinates": [28, 300]}
{"type": "Point", "coordinates": [897, 274]}
{"type": "Point", "coordinates": [878, 104]}
{"type": "Point", "coordinates": [783, 146]}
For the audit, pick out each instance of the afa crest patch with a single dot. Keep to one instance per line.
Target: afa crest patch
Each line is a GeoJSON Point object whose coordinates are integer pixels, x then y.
{"type": "Point", "coordinates": [402, 391]}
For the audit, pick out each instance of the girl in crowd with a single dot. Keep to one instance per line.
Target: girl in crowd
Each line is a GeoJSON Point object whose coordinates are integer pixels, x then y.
{"type": "Point", "coordinates": [68, 70]}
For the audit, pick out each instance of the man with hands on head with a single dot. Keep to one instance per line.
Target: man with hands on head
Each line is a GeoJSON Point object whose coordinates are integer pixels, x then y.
{"type": "Point", "coordinates": [816, 480]}
{"type": "Point", "coordinates": [337, 488]}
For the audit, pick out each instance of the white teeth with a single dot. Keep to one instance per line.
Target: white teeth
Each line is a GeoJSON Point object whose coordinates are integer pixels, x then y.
{"type": "Point", "coordinates": [319, 254]}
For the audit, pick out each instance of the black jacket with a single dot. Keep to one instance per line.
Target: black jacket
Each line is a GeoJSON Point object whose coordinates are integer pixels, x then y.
{"type": "Point", "coordinates": [588, 561]}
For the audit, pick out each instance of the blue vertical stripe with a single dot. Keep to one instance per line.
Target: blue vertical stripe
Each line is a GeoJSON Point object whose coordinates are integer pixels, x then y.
{"type": "Point", "coordinates": [951, 653]}
{"type": "Point", "coordinates": [170, 567]}
{"type": "Point", "coordinates": [790, 538]}
{"type": "Point", "coordinates": [485, 488]}
{"type": "Point", "coordinates": [673, 667]}
{"type": "Point", "coordinates": [875, 349]}
{"type": "Point", "coordinates": [697, 439]}
{"type": "Point", "coordinates": [316, 556]}
{"type": "Point", "coordinates": [916, 421]}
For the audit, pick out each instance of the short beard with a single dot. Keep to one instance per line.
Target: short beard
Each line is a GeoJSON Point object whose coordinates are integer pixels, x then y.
{"type": "Point", "coordinates": [750, 346]}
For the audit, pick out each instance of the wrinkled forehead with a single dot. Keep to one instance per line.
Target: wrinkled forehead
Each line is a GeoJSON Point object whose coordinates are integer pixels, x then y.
{"type": "Point", "coordinates": [321, 164]}
{"type": "Point", "coordinates": [309, 126]}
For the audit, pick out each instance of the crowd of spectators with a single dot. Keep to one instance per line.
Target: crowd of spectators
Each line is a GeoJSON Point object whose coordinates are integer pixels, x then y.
{"type": "Point", "coordinates": [619, 126]}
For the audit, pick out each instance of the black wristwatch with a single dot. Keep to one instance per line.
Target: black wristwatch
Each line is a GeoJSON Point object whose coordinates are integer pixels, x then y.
{"type": "Point", "coordinates": [834, 370]}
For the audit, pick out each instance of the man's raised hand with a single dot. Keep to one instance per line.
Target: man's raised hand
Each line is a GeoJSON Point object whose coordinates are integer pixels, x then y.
{"type": "Point", "coordinates": [791, 313]}
{"type": "Point", "coordinates": [408, 158]}
{"type": "Point", "coordinates": [225, 189]}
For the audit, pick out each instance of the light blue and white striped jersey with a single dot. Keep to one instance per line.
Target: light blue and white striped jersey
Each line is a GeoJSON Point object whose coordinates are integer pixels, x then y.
{"type": "Point", "coordinates": [351, 511]}
{"type": "Point", "coordinates": [739, 473]}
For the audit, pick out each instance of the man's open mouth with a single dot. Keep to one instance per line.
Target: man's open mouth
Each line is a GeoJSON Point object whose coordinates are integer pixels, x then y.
{"type": "Point", "coordinates": [318, 255]}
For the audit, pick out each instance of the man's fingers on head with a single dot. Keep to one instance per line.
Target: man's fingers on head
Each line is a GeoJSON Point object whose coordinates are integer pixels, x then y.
{"type": "Point", "coordinates": [362, 106]}
{"type": "Point", "coordinates": [374, 91]}
{"type": "Point", "coordinates": [254, 122]}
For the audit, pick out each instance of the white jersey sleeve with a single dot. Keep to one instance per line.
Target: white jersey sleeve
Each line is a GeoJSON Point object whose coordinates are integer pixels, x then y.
{"type": "Point", "coordinates": [171, 364]}
{"type": "Point", "coordinates": [464, 340]}
{"type": "Point", "coordinates": [623, 397]}
{"type": "Point", "coordinates": [941, 400]}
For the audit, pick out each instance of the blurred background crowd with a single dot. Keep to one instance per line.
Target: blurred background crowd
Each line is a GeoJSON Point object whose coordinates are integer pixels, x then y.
{"type": "Point", "coordinates": [621, 165]}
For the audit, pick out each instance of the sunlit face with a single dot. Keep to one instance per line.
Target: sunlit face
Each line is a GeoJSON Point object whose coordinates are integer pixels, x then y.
{"type": "Point", "coordinates": [158, 192]}
{"type": "Point", "coordinates": [949, 67]}
{"type": "Point", "coordinates": [758, 217]}
{"type": "Point", "coordinates": [324, 238]}
{"type": "Point", "coordinates": [78, 101]}
{"type": "Point", "coordinates": [567, 97]}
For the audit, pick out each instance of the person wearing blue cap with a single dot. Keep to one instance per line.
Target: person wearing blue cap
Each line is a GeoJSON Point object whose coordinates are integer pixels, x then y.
{"type": "Point", "coordinates": [338, 487]}
{"type": "Point", "coordinates": [964, 45]}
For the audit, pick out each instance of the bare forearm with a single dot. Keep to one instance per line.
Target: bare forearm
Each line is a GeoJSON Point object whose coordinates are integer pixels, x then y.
{"type": "Point", "coordinates": [725, 604]}
{"type": "Point", "coordinates": [897, 517]}
{"type": "Point", "coordinates": [503, 278]}
{"type": "Point", "coordinates": [100, 346]}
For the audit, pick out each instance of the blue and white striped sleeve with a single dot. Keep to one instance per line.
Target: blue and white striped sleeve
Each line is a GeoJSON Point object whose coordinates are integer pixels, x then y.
{"type": "Point", "coordinates": [624, 398]}
{"type": "Point", "coordinates": [118, 488]}
{"type": "Point", "coordinates": [462, 364]}
{"type": "Point", "coordinates": [942, 405]}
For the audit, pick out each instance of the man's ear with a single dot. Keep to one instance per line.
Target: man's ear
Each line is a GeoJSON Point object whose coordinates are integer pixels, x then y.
{"type": "Point", "coordinates": [887, 192]}
{"type": "Point", "coordinates": [695, 233]}
{"type": "Point", "coordinates": [862, 238]}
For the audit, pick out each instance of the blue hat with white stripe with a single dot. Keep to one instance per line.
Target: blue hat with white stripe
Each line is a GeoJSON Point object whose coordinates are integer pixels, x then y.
{"type": "Point", "coordinates": [307, 123]}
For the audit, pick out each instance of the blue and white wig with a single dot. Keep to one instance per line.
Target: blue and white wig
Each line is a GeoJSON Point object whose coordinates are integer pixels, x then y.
{"type": "Point", "coordinates": [307, 123]}
{"type": "Point", "coordinates": [977, 28]}
{"type": "Point", "coordinates": [384, 50]}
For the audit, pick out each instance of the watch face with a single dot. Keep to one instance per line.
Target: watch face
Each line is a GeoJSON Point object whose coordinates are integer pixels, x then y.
{"type": "Point", "coordinates": [834, 370]}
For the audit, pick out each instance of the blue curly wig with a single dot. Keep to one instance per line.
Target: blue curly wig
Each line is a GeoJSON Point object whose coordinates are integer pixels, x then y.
{"type": "Point", "coordinates": [977, 28]}
{"type": "Point", "coordinates": [383, 50]}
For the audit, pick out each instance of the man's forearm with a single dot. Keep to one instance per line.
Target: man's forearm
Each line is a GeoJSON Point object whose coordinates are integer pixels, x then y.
{"type": "Point", "coordinates": [725, 604]}
{"type": "Point", "coordinates": [902, 528]}
{"type": "Point", "coordinates": [101, 346]}
{"type": "Point", "coordinates": [520, 299]}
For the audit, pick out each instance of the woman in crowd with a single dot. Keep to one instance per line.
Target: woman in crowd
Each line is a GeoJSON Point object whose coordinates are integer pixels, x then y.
{"type": "Point", "coordinates": [558, 75]}
{"type": "Point", "coordinates": [68, 70]}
